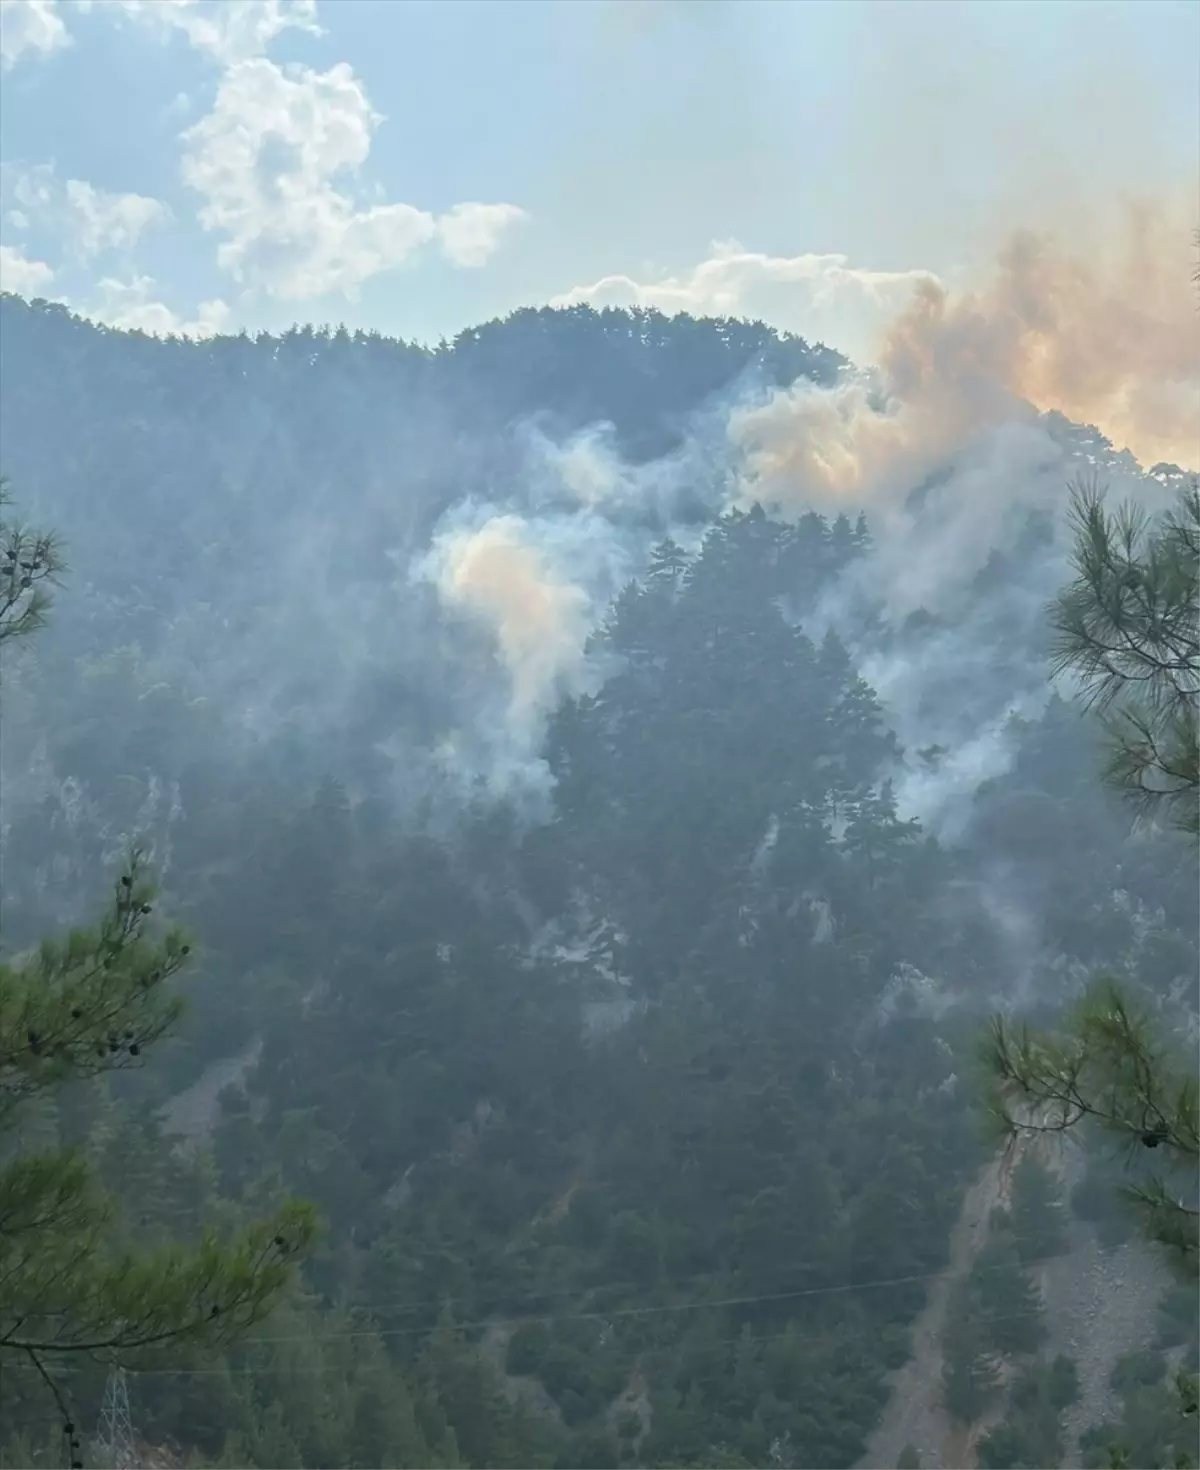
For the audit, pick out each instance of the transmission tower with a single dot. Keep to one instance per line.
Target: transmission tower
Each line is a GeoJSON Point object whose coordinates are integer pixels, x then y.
{"type": "Point", "coordinates": [114, 1434]}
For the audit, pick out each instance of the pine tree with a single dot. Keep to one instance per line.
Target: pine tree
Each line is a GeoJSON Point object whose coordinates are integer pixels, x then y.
{"type": "Point", "coordinates": [970, 1376]}
{"type": "Point", "coordinates": [1038, 1215]}
{"type": "Point", "coordinates": [75, 1009]}
{"type": "Point", "coordinates": [668, 563]}
{"type": "Point", "coordinates": [1127, 626]}
{"type": "Point", "coordinates": [30, 563]}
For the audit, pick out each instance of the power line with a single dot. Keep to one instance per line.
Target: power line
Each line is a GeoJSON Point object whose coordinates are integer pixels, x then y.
{"type": "Point", "coordinates": [379, 1303]}
{"type": "Point", "coordinates": [615, 1314]}
{"type": "Point", "coordinates": [205, 1426]}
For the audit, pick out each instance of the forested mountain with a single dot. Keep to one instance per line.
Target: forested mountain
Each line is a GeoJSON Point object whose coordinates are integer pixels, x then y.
{"type": "Point", "coordinates": [600, 881]}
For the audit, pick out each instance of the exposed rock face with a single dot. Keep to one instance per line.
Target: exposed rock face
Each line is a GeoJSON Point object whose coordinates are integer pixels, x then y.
{"type": "Point", "coordinates": [1100, 1304]}
{"type": "Point", "coordinates": [192, 1115]}
{"type": "Point", "coordinates": [518, 1388]}
{"type": "Point", "coordinates": [914, 1415]}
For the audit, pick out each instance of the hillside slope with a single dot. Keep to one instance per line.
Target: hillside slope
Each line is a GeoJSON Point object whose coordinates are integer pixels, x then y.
{"type": "Point", "coordinates": [613, 873]}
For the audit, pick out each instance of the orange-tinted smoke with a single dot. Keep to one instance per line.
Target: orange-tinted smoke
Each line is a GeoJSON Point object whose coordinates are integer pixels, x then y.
{"type": "Point", "coordinates": [1110, 337]}
{"type": "Point", "coordinates": [540, 620]}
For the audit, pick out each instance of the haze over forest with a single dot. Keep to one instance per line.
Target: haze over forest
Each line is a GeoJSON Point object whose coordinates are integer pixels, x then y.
{"type": "Point", "coordinates": [610, 764]}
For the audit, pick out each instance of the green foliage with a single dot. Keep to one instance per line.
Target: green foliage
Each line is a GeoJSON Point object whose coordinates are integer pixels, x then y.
{"type": "Point", "coordinates": [662, 1185]}
{"type": "Point", "coordinates": [1038, 1212]}
{"type": "Point", "coordinates": [75, 1011]}
{"type": "Point", "coordinates": [1127, 628]}
{"type": "Point", "coordinates": [528, 1348]}
{"type": "Point", "coordinates": [1107, 1067]}
{"type": "Point", "coordinates": [1030, 1434]}
{"type": "Point", "coordinates": [1158, 1423]}
{"type": "Point", "coordinates": [1097, 1198]}
{"type": "Point", "coordinates": [30, 563]}
{"type": "Point", "coordinates": [1178, 1317]}
{"type": "Point", "coordinates": [995, 1314]}
{"type": "Point", "coordinates": [1062, 1383]}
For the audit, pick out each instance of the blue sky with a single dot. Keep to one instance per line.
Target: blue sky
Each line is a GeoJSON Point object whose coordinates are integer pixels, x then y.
{"type": "Point", "coordinates": [419, 165]}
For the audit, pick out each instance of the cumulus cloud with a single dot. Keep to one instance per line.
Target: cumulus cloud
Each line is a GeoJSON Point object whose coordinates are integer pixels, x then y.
{"type": "Point", "coordinates": [816, 295]}
{"type": "Point", "coordinates": [108, 221]}
{"type": "Point", "coordinates": [20, 275]}
{"type": "Point", "coordinates": [30, 27]}
{"type": "Point", "coordinates": [227, 30]}
{"type": "Point", "coordinates": [130, 305]}
{"type": "Point", "coordinates": [272, 161]}
{"type": "Point", "coordinates": [88, 220]}
{"type": "Point", "coordinates": [470, 234]}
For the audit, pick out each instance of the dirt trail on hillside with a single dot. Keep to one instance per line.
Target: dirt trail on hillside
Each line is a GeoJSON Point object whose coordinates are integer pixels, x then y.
{"type": "Point", "coordinates": [1098, 1305]}
{"type": "Point", "coordinates": [914, 1414]}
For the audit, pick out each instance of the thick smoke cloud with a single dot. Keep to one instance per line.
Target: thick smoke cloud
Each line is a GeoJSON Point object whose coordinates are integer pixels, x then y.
{"type": "Point", "coordinates": [499, 573]}
{"type": "Point", "coordinates": [1109, 341]}
{"type": "Point", "coordinates": [438, 625]}
{"type": "Point", "coordinates": [951, 444]}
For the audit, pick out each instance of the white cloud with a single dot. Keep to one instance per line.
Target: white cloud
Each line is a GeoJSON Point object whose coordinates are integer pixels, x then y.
{"type": "Point", "coordinates": [33, 189]}
{"type": "Point", "coordinates": [805, 293]}
{"type": "Point", "coordinates": [89, 220]}
{"type": "Point", "coordinates": [227, 30]}
{"type": "Point", "coordinates": [472, 233]}
{"type": "Point", "coordinates": [30, 26]}
{"type": "Point", "coordinates": [130, 306]}
{"type": "Point", "coordinates": [20, 275]}
{"type": "Point", "coordinates": [178, 107]}
{"type": "Point", "coordinates": [269, 160]}
{"type": "Point", "coordinates": [110, 221]}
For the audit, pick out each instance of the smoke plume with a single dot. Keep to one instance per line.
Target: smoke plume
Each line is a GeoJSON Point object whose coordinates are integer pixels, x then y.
{"type": "Point", "coordinates": [540, 620]}
{"type": "Point", "coordinates": [1108, 340]}
{"type": "Point", "coordinates": [948, 443]}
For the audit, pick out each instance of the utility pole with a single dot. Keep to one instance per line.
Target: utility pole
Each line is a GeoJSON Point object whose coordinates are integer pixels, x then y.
{"type": "Point", "coordinates": [114, 1434]}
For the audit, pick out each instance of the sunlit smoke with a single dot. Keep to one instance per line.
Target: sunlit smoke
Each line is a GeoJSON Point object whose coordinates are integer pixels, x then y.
{"type": "Point", "coordinates": [1112, 339]}
{"type": "Point", "coordinates": [497, 573]}
{"type": "Point", "coordinates": [943, 442]}
{"type": "Point", "coordinates": [1109, 340]}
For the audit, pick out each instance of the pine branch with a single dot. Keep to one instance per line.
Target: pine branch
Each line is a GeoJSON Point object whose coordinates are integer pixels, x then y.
{"type": "Point", "coordinates": [30, 562]}
{"type": "Point", "coordinates": [89, 1005]}
{"type": "Point", "coordinates": [1104, 1068]}
{"type": "Point", "coordinates": [207, 1297]}
{"type": "Point", "coordinates": [74, 1010]}
{"type": "Point", "coordinates": [1127, 627]}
